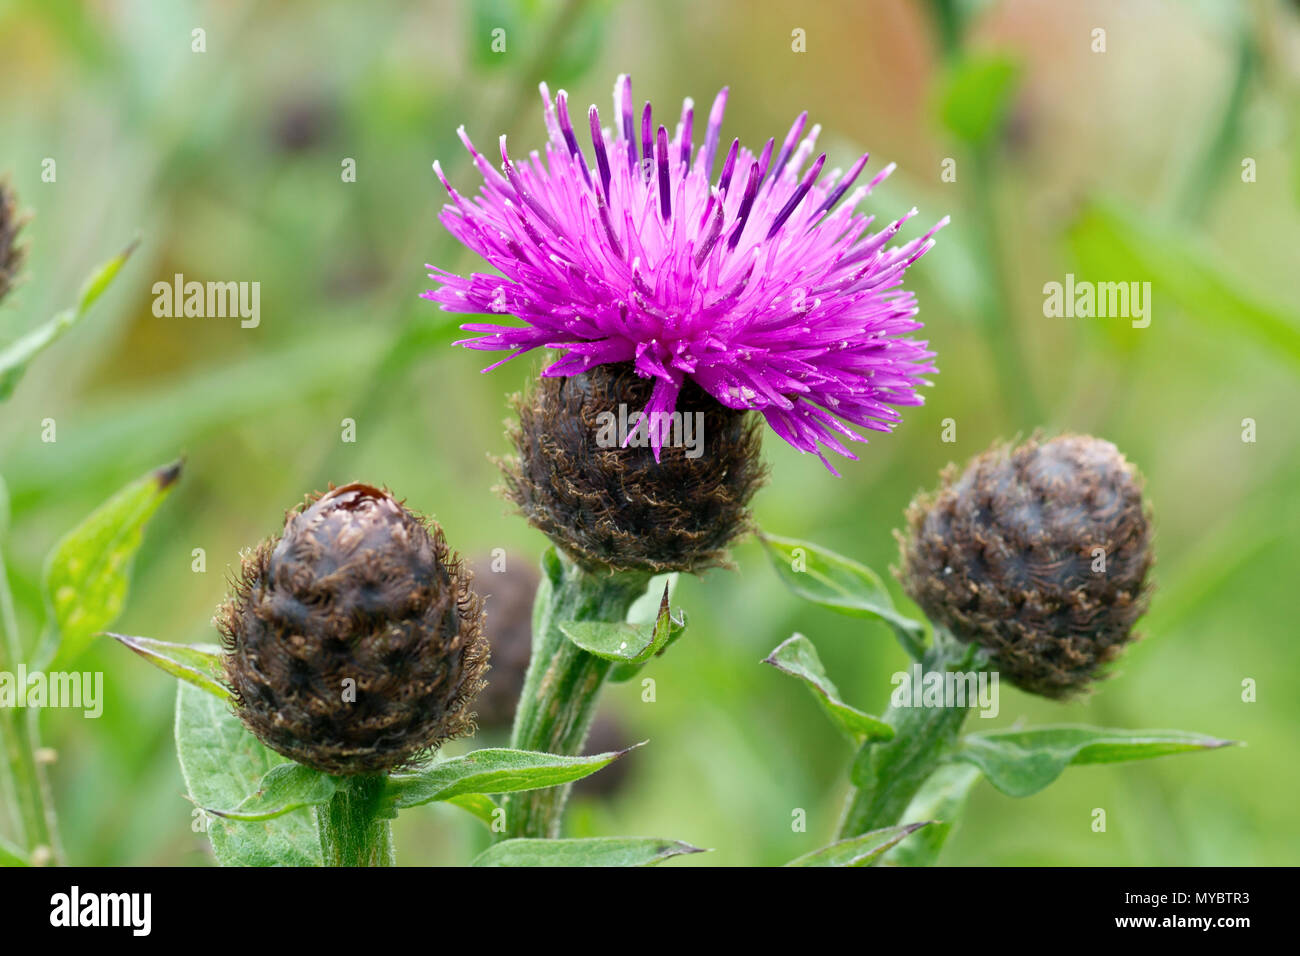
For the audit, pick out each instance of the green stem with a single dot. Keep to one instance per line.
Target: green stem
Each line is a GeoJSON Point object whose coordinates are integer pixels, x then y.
{"type": "Point", "coordinates": [888, 775]}
{"type": "Point", "coordinates": [19, 730]}
{"type": "Point", "coordinates": [559, 698]}
{"type": "Point", "coordinates": [352, 830]}
{"type": "Point", "coordinates": [998, 310]}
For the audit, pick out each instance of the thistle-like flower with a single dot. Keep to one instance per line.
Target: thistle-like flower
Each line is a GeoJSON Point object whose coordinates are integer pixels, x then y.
{"type": "Point", "coordinates": [1039, 554]}
{"type": "Point", "coordinates": [354, 643]}
{"type": "Point", "coordinates": [763, 286]}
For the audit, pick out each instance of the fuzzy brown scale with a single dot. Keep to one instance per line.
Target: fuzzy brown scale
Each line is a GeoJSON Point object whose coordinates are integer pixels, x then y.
{"type": "Point", "coordinates": [357, 588]}
{"type": "Point", "coordinates": [616, 507]}
{"type": "Point", "coordinates": [1005, 555]}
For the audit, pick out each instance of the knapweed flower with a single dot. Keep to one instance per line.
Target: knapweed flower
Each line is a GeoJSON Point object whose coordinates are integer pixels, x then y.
{"type": "Point", "coordinates": [353, 642]}
{"type": "Point", "coordinates": [762, 286]}
{"type": "Point", "coordinates": [11, 253]}
{"type": "Point", "coordinates": [1038, 553]}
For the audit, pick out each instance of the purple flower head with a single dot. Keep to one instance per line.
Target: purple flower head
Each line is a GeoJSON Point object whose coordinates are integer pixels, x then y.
{"type": "Point", "coordinates": [763, 285]}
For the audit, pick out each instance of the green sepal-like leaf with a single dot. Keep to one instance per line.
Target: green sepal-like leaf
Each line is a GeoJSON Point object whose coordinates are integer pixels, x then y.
{"type": "Point", "coordinates": [798, 657]}
{"type": "Point", "coordinates": [594, 851]}
{"type": "Point", "coordinates": [1022, 762]}
{"type": "Point", "coordinates": [858, 851]}
{"type": "Point", "coordinates": [15, 357]}
{"type": "Point", "coordinates": [222, 763]}
{"type": "Point", "coordinates": [836, 582]}
{"type": "Point", "coordinates": [941, 799]}
{"type": "Point", "coordinates": [88, 572]}
{"type": "Point", "coordinates": [199, 664]}
{"type": "Point", "coordinates": [285, 788]}
{"type": "Point", "coordinates": [492, 771]}
{"type": "Point", "coordinates": [626, 644]}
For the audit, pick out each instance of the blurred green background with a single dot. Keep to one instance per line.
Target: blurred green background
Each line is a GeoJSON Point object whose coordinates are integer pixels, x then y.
{"type": "Point", "coordinates": [1122, 165]}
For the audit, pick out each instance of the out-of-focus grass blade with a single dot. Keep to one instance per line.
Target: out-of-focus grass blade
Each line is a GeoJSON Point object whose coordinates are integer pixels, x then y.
{"type": "Point", "coordinates": [1113, 244]}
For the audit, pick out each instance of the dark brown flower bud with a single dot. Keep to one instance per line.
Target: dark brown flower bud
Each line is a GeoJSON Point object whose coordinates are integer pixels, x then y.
{"type": "Point", "coordinates": [1038, 553]}
{"type": "Point", "coordinates": [610, 505]}
{"type": "Point", "coordinates": [11, 253]}
{"type": "Point", "coordinates": [508, 598]}
{"type": "Point", "coordinates": [354, 643]}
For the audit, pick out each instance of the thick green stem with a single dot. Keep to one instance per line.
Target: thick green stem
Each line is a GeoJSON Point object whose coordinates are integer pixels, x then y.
{"type": "Point", "coordinates": [559, 698]}
{"type": "Point", "coordinates": [352, 831]}
{"type": "Point", "coordinates": [888, 775]}
{"type": "Point", "coordinates": [19, 733]}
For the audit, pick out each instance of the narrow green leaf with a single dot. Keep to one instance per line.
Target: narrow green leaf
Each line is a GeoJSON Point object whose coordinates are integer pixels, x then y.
{"type": "Point", "coordinates": [200, 664]}
{"type": "Point", "coordinates": [594, 851]}
{"type": "Point", "coordinates": [835, 582]}
{"type": "Point", "coordinates": [222, 763]}
{"type": "Point", "coordinates": [798, 657]}
{"type": "Point", "coordinates": [285, 788]}
{"type": "Point", "coordinates": [87, 573]}
{"type": "Point", "coordinates": [1116, 244]}
{"type": "Point", "coordinates": [11, 855]}
{"type": "Point", "coordinates": [479, 804]}
{"type": "Point", "coordinates": [941, 799]}
{"type": "Point", "coordinates": [625, 643]}
{"type": "Point", "coordinates": [858, 851]}
{"type": "Point", "coordinates": [1022, 762]}
{"type": "Point", "coordinates": [4, 508]}
{"type": "Point", "coordinates": [15, 357]}
{"type": "Point", "coordinates": [977, 96]}
{"type": "Point", "coordinates": [493, 771]}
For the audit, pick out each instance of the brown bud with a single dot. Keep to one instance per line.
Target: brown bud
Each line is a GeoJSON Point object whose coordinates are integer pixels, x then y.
{"type": "Point", "coordinates": [354, 643]}
{"type": "Point", "coordinates": [608, 505]}
{"type": "Point", "coordinates": [1038, 553]}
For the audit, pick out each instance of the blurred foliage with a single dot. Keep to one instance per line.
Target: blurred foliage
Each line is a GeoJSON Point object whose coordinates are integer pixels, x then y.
{"type": "Point", "coordinates": [228, 163]}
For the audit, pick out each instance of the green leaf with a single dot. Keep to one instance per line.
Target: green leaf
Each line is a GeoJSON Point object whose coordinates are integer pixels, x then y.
{"type": "Point", "coordinates": [15, 357]}
{"type": "Point", "coordinates": [200, 664]}
{"type": "Point", "coordinates": [87, 573]}
{"type": "Point", "coordinates": [1021, 762]}
{"type": "Point", "coordinates": [798, 657]}
{"type": "Point", "coordinates": [493, 771]}
{"type": "Point", "coordinates": [977, 96]}
{"type": "Point", "coordinates": [940, 799]}
{"type": "Point", "coordinates": [285, 788]}
{"type": "Point", "coordinates": [860, 850]}
{"type": "Point", "coordinates": [625, 643]}
{"type": "Point", "coordinates": [1116, 244]}
{"type": "Point", "coordinates": [222, 764]}
{"type": "Point", "coordinates": [11, 855]}
{"type": "Point", "coordinates": [594, 851]}
{"type": "Point", "coordinates": [835, 582]}
{"type": "Point", "coordinates": [479, 804]}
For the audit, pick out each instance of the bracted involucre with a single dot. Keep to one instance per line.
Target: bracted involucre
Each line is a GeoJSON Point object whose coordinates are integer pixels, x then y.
{"type": "Point", "coordinates": [608, 504]}
{"type": "Point", "coordinates": [764, 287]}
{"type": "Point", "coordinates": [354, 642]}
{"type": "Point", "coordinates": [1038, 553]}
